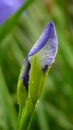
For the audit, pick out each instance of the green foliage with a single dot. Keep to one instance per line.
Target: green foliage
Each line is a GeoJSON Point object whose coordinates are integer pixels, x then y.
{"type": "Point", "coordinates": [55, 109]}
{"type": "Point", "coordinates": [7, 112]}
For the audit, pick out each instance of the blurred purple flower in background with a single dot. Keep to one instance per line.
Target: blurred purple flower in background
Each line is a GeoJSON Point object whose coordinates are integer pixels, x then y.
{"type": "Point", "coordinates": [9, 7]}
{"type": "Point", "coordinates": [46, 48]}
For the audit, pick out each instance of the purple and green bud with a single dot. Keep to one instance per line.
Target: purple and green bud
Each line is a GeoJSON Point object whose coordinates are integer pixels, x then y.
{"type": "Point", "coordinates": [45, 48]}
{"type": "Point", "coordinates": [34, 72]}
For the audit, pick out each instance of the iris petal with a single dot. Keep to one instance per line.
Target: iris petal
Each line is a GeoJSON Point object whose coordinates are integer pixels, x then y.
{"type": "Point", "coordinates": [8, 7]}
{"type": "Point", "coordinates": [46, 47]}
{"type": "Point", "coordinates": [25, 73]}
{"type": "Point", "coordinates": [48, 33]}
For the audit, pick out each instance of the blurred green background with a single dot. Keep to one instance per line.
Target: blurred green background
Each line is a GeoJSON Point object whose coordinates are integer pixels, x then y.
{"type": "Point", "coordinates": [55, 108]}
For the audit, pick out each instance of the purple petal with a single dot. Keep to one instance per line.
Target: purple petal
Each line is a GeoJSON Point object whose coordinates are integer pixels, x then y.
{"type": "Point", "coordinates": [25, 73]}
{"type": "Point", "coordinates": [46, 47]}
{"type": "Point", "coordinates": [48, 33]}
{"type": "Point", "coordinates": [8, 7]}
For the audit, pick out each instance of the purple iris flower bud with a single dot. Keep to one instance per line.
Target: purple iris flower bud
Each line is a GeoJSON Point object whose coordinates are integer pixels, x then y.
{"type": "Point", "coordinates": [9, 7]}
{"type": "Point", "coordinates": [46, 48]}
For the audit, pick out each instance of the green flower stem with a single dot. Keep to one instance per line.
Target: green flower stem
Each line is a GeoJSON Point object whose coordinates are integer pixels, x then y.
{"type": "Point", "coordinates": [27, 99]}
{"type": "Point", "coordinates": [26, 115]}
